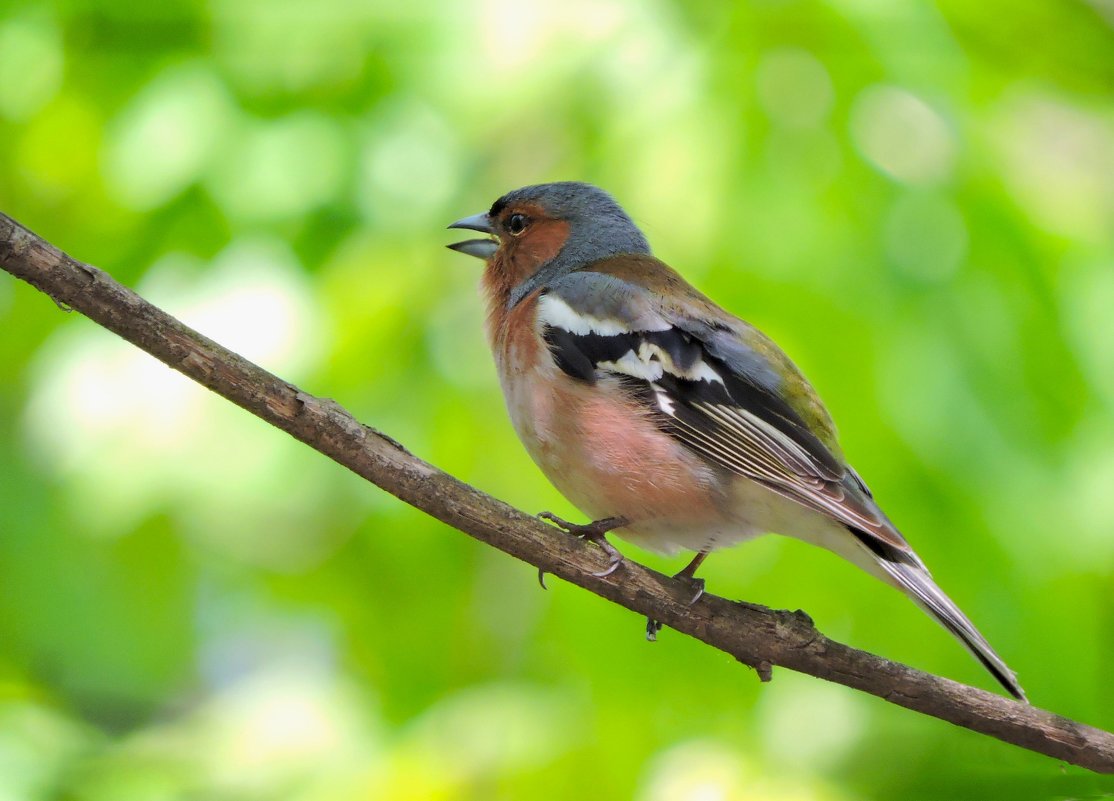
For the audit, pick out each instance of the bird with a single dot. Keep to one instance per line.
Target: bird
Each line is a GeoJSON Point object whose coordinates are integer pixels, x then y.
{"type": "Point", "coordinates": [666, 420]}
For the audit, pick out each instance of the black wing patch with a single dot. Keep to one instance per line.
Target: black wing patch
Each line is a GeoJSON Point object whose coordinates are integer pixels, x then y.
{"type": "Point", "coordinates": [576, 353]}
{"type": "Point", "coordinates": [571, 357]}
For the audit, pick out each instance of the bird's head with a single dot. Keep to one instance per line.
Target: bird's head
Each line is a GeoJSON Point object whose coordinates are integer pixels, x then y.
{"type": "Point", "coordinates": [546, 231]}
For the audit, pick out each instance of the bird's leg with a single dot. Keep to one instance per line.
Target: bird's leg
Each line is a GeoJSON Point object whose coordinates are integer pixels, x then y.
{"type": "Point", "coordinates": [689, 574]}
{"type": "Point", "coordinates": [592, 532]}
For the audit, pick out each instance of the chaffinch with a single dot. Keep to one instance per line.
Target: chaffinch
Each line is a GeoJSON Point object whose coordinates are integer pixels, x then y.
{"type": "Point", "coordinates": [660, 415]}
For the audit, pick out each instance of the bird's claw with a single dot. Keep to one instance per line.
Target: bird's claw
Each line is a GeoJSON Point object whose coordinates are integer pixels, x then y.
{"type": "Point", "coordinates": [616, 559]}
{"type": "Point", "coordinates": [654, 626]}
{"type": "Point", "coordinates": [698, 583]}
{"type": "Point", "coordinates": [592, 532]}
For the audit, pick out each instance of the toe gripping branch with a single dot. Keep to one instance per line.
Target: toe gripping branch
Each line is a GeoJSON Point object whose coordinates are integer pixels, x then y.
{"type": "Point", "coordinates": [687, 575]}
{"type": "Point", "coordinates": [593, 532]}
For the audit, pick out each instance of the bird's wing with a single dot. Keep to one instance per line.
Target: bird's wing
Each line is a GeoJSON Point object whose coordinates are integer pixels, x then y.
{"type": "Point", "coordinates": [713, 382]}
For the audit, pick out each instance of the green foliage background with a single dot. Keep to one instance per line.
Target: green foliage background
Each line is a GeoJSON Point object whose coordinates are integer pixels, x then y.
{"type": "Point", "coordinates": [915, 199]}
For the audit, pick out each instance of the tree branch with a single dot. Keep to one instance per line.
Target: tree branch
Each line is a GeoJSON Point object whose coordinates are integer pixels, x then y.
{"type": "Point", "coordinates": [754, 635]}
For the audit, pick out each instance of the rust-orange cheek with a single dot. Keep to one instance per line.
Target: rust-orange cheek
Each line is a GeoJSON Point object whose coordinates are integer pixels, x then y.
{"type": "Point", "coordinates": [537, 246]}
{"type": "Point", "coordinates": [521, 257]}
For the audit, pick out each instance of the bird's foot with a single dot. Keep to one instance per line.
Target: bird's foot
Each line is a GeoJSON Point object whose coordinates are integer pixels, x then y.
{"type": "Point", "coordinates": [653, 626]}
{"type": "Point", "coordinates": [592, 532]}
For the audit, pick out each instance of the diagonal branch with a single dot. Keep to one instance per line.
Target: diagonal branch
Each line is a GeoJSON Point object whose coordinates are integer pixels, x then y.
{"type": "Point", "coordinates": [754, 635]}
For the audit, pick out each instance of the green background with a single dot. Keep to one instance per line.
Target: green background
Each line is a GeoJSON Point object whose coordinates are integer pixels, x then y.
{"type": "Point", "coordinates": [916, 200]}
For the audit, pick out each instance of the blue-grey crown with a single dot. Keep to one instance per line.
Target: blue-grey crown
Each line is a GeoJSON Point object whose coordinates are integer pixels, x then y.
{"type": "Point", "coordinates": [599, 226]}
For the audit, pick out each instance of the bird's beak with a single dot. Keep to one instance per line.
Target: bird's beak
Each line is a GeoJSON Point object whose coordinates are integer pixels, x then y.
{"type": "Point", "coordinates": [480, 248]}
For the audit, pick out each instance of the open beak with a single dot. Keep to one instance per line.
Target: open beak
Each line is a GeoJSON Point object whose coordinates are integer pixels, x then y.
{"type": "Point", "coordinates": [480, 248]}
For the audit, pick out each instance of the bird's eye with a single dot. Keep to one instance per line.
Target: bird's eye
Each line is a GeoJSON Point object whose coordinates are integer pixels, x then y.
{"type": "Point", "coordinates": [516, 224]}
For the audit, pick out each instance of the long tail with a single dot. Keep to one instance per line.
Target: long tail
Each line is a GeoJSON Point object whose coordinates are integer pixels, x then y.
{"type": "Point", "coordinates": [918, 584]}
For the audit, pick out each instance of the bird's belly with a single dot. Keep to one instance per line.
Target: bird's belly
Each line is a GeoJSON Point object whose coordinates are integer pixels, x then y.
{"type": "Point", "coordinates": [603, 452]}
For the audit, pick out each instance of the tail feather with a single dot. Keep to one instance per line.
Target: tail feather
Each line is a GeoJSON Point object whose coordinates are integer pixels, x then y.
{"type": "Point", "coordinates": [918, 584]}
